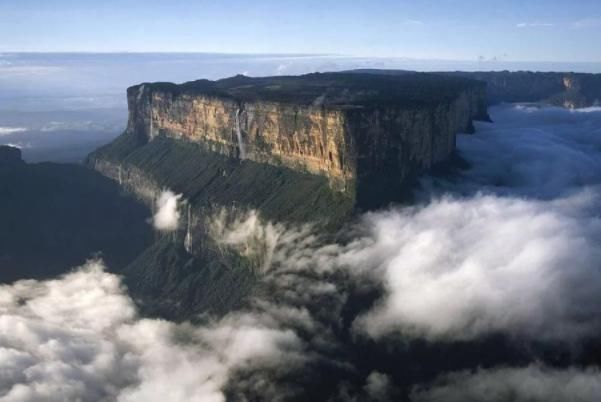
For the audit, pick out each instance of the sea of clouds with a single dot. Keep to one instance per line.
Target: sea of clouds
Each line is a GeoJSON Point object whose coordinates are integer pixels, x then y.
{"type": "Point", "coordinates": [507, 247]}
{"type": "Point", "coordinates": [78, 338]}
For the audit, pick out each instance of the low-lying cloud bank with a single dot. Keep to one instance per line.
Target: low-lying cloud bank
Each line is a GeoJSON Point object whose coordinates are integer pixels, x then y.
{"type": "Point", "coordinates": [463, 268]}
{"type": "Point", "coordinates": [79, 338]}
{"type": "Point", "coordinates": [534, 383]}
{"type": "Point", "coordinates": [511, 245]}
{"type": "Point", "coordinates": [11, 130]}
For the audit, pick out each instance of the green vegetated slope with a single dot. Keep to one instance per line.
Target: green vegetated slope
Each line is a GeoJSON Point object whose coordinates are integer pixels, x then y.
{"type": "Point", "coordinates": [209, 180]}
{"type": "Point", "coordinates": [56, 216]}
{"type": "Point", "coordinates": [170, 282]}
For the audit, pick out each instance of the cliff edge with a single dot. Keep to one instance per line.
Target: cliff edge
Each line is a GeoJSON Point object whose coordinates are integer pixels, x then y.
{"type": "Point", "coordinates": [311, 148]}
{"type": "Point", "coordinates": [363, 133]}
{"type": "Point", "coordinates": [563, 89]}
{"type": "Point", "coordinates": [569, 90]}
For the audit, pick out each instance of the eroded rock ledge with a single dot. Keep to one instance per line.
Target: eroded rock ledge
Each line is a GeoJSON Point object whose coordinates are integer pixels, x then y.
{"type": "Point", "coordinates": [569, 90]}
{"type": "Point", "coordinates": [563, 89]}
{"type": "Point", "coordinates": [362, 132]}
{"type": "Point", "coordinates": [294, 149]}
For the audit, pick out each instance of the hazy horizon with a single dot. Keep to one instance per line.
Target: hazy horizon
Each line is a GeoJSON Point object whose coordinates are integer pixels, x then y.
{"type": "Point", "coordinates": [486, 64]}
{"type": "Point", "coordinates": [80, 97]}
{"type": "Point", "coordinates": [536, 30]}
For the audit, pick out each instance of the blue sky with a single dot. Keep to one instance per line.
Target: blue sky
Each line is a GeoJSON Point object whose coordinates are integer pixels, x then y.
{"type": "Point", "coordinates": [526, 30]}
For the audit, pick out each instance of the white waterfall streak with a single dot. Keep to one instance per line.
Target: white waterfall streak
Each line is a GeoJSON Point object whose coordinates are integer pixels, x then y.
{"type": "Point", "coordinates": [151, 132]}
{"type": "Point", "coordinates": [188, 239]}
{"type": "Point", "coordinates": [239, 135]}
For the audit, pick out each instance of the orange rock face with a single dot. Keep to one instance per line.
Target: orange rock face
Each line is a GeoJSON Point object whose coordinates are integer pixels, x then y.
{"type": "Point", "coordinates": [306, 138]}
{"type": "Point", "coordinates": [351, 146]}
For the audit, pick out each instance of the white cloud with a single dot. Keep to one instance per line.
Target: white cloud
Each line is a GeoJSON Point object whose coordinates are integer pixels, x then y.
{"type": "Point", "coordinates": [587, 23]}
{"type": "Point", "coordinates": [378, 386]}
{"type": "Point", "coordinates": [534, 152]}
{"type": "Point", "coordinates": [590, 109]}
{"type": "Point", "coordinates": [20, 145]}
{"type": "Point", "coordinates": [534, 383]}
{"type": "Point", "coordinates": [413, 22]}
{"type": "Point", "coordinates": [474, 264]}
{"type": "Point", "coordinates": [460, 268]}
{"type": "Point", "coordinates": [247, 234]}
{"type": "Point", "coordinates": [86, 125]}
{"type": "Point", "coordinates": [79, 338]}
{"type": "Point", "coordinates": [469, 264]}
{"type": "Point", "coordinates": [520, 259]}
{"type": "Point", "coordinates": [281, 69]}
{"type": "Point", "coordinates": [533, 24]}
{"type": "Point", "coordinates": [167, 215]}
{"type": "Point", "coordinates": [10, 71]}
{"type": "Point", "coordinates": [11, 130]}
{"type": "Point", "coordinates": [467, 267]}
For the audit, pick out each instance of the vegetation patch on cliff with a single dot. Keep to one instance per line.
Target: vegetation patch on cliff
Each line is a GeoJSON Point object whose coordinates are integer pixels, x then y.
{"type": "Point", "coordinates": [209, 180]}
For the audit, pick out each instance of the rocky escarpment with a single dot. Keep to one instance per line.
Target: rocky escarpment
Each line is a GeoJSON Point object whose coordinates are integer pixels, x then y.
{"type": "Point", "coordinates": [570, 90]}
{"type": "Point", "coordinates": [295, 149]}
{"type": "Point", "coordinates": [10, 156]}
{"type": "Point", "coordinates": [354, 130]}
{"type": "Point", "coordinates": [56, 216]}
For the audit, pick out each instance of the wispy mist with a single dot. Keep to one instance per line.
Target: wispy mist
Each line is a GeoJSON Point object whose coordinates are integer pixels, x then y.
{"type": "Point", "coordinates": [79, 338]}
{"type": "Point", "coordinates": [167, 215]}
{"type": "Point", "coordinates": [531, 383]}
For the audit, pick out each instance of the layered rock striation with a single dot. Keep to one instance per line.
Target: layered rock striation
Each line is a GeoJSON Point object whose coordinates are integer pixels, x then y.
{"type": "Point", "coordinates": [307, 149]}
{"type": "Point", "coordinates": [563, 89]}
{"type": "Point", "coordinates": [353, 129]}
{"type": "Point", "coordinates": [569, 90]}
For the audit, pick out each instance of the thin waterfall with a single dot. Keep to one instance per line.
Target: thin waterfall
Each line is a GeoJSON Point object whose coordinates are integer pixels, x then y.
{"type": "Point", "coordinates": [188, 239]}
{"type": "Point", "coordinates": [151, 133]}
{"type": "Point", "coordinates": [150, 115]}
{"type": "Point", "coordinates": [239, 135]}
{"type": "Point", "coordinates": [120, 176]}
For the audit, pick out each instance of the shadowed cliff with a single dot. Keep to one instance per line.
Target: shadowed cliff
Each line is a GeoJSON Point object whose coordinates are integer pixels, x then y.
{"type": "Point", "coordinates": [355, 130]}
{"type": "Point", "coordinates": [308, 149]}
{"type": "Point", "coordinates": [565, 89]}
{"type": "Point", "coordinates": [54, 216]}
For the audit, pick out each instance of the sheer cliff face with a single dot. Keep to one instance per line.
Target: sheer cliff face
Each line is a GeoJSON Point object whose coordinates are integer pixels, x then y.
{"type": "Point", "coordinates": [353, 146]}
{"type": "Point", "coordinates": [10, 156]}
{"type": "Point", "coordinates": [305, 138]}
{"type": "Point", "coordinates": [395, 144]}
{"type": "Point", "coordinates": [569, 90]}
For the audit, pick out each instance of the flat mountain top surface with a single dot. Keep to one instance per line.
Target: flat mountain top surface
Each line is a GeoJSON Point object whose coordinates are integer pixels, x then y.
{"type": "Point", "coordinates": [336, 90]}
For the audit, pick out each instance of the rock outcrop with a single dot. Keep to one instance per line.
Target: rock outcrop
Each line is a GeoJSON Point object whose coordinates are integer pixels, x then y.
{"type": "Point", "coordinates": [10, 156]}
{"type": "Point", "coordinates": [570, 90]}
{"type": "Point", "coordinates": [295, 149]}
{"type": "Point", "coordinates": [363, 133]}
{"type": "Point", "coordinates": [564, 89]}
{"type": "Point", "coordinates": [55, 216]}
